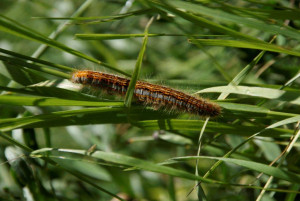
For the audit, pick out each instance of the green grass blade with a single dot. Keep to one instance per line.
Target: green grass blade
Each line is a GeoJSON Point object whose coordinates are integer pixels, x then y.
{"type": "Point", "coordinates": [242, 74]}
{"type": "Point", "coordinates": [290, 81]}
{"type": "Point", "coordinates": [141, 119]}
{"type": "Point", "coordinates": [225, 17]}
{"type": "Point", "coordinates": [101, 19]}
{"type": "Point", "coordinates": [245, 44]}
{"type": "Point", "coordinates": [269, 170]}
{"type": "Point", "coordinates": [19, 74]}
{"type": "Point", "coordinates": [61, 28]}
{"type": "Point", "coordinates": [21, 56]}
{"type": "Point", "coordinates": [113, 36]}
{"type": "Point", "coordinates": [45, 101]}
{"type": "Point", "coordinates": [249, 111]}
{"type": "Point", "coordinates": [10, 123]}
{"type": "Point", "coordinates": [264, 130]}
{"type": "Point", "coordinates": [118, 159]}
{"type": "Point", "coordinates": [138, 65]}
{"type": "Point", "coordinates": [285, 122]}
{"type": "Point", "coordinates": [76, 174]}
{"type": "Point", "coordinates": [15, 142]}
{"type": "Point", "coordinates": [22, 63]}
{"type": "Point", "coordinates": [19, 91]}
{"type": "Point", "coordinates": [14, 28]}
{"type": "Point", "coordinates": [263, 13]}
{"type": "Point", "coordinates": [201, 21]}
{"type": "Point", "coordinates": [86, 116]}
{"type": "Point", "coordinates": [212, 127]}
{"type": "Point", "coordinates": [60, 88]}
{"type": "Point", "coordinates": [125, 36]}
{"type": "Point", "coordinates": [273, 94]}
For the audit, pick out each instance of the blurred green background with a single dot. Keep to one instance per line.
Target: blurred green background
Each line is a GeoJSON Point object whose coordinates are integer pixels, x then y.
{"type": "Point", "coordinates": [176, 58]}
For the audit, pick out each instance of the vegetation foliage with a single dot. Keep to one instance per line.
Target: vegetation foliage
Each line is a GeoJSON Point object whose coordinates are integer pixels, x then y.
{"type": "Point", "coordinates": [61, 142]}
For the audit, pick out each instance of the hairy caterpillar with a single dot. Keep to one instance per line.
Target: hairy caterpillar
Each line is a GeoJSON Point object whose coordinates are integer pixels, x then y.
{"type": "Point", "coordinates": [149, 94]}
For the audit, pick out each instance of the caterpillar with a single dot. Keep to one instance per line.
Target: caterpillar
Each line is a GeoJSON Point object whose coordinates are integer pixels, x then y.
{"type": "Point", "coordinates": [146, 93]}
